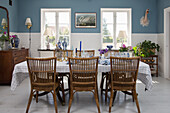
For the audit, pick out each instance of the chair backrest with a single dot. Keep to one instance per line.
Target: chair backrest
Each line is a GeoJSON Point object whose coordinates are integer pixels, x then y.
{"type": "Point", "coordinates": [124, 71]}
{"type": "Point", "coordinates": [111, 52]}
{"type": "Point", "coordinates": [90, 52]}
{"type": "Point", "coordinates": [83, 71]}
{"type": "Point", "coordinates": [64, 54]}
{"type": "Point", "coordinates": [42, 71]}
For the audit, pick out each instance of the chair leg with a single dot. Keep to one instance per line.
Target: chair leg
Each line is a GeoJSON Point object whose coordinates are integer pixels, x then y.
{"type": "Point", "coordinates": [106, 88]}
{"type": "Point", "coordinates": [114, 96]}
{"type": "Point", "coordinates": [70, 101]}
{"type": "Point", "coordinates": [97, 100]}
{"type": "Point", "coordinates": [62, 88]}
{"type": "Point", "coordinates": [36, 96]}
{"type": "Point", "coordinates": [136, 99]}
{"type": "Point", "coordinates": [29, 101]}
{"type": "Point", "coordinates": [68, 84]}
{"type": "Point", "coordinates": [111, 99]}
{"type": "Point", "coordinates": [133, 95]}
{"type": "Point", "coordinates": [101, 84]}
{"type": "Point", "coordinates": [55, 101]}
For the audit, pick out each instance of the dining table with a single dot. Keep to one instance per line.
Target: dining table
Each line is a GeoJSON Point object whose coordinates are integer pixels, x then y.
{"type": "Point", "coordinates": [20, 73]}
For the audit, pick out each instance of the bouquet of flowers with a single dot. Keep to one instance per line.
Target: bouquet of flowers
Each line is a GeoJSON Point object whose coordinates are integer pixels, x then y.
{"type": "Point", "coordinates": [4, 37]}
{"type": "Point", "coordinates": [103, 51]}
{"type": "Point", "coordinates": [125, 49]}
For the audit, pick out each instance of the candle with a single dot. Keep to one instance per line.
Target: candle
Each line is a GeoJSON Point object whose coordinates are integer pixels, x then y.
{"type": "Point", "coordinates": [80, 46]}
{"type": "Point", "coordinates": [76, 50]}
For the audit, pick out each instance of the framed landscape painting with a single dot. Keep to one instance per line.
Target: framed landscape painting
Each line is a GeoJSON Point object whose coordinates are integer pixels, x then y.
{"type": "Point", "coordinates": [85, 20]}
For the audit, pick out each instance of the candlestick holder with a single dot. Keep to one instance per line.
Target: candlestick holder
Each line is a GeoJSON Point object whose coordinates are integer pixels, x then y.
{"type": "Point", "coordinates": [64, 55]}
{"type": "Point", "coordinates": [80, 54]}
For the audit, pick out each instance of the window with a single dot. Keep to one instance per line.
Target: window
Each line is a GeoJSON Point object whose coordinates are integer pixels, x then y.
{"type": "Point", "coordinates": [115, 27]}
{"type": "Point", "coordinates": [55, 26]}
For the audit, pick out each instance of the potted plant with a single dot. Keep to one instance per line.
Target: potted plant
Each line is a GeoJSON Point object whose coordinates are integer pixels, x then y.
{"type": "Point", "coordinates": [146, 48]}
{"type": "Point", "coordinates": [124, 48]}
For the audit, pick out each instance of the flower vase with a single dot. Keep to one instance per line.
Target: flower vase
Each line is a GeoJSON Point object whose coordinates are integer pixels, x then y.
{"type": "Point", "coordinates": [15, 41]}
{"type": "Point", "coordinates": [1, 45]}
{"type": "Point", "coordinates": [6, 45]}
{"type": "Point", "coordinates": [102, 57]}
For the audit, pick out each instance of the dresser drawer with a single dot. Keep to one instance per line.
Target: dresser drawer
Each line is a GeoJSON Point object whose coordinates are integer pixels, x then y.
{"type": "Point", "coordinates": [19, 59]}
{"type": "Point", "coordinates": [21, 52]}
{"type": "Point", "coordinates": [17, 53]}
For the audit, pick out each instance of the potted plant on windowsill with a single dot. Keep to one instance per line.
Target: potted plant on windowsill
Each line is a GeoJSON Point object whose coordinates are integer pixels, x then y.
{"type": "Point", "coordinates": [146, 48]}
{"type": "Point", "coordinates": [124, 48]}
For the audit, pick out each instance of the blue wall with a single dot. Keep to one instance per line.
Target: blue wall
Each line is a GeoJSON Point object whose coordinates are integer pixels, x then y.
{"type": "Point", "coordinates": [13, 14]}
{"type": "Point", "coordinates": [31, 8]}
{"type": "Point", "coordinates": [162, 4]}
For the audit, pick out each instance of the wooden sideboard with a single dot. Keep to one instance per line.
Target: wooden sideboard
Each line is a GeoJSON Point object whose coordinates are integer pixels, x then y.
{"type": "Point", "coordinates": [8, 59]}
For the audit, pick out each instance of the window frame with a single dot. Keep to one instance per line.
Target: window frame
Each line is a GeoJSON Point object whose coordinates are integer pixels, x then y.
{"type": "Point", "coordinates": [56, 10]}
{"type": "Point", "coordinates": [129, 23]}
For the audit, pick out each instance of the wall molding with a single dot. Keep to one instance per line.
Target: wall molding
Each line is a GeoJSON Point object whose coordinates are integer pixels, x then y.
{"type": "Point", "coordinates": [145, 34]}
{"type": "Point", "coordinates": [76, 34]}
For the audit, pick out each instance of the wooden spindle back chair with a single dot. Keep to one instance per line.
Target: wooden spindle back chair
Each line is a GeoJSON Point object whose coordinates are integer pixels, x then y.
{"type": "Point", "coordinates": [89, 52]}
{"type": "Point", "coordinates": [111, 52]}
{"type": "Point", "coordinates": [124, 73]}
{"type": "Point", "coordinates": [69, 52]}
{"type": "Point", "coordinates": [43, 77]}
{"type": "Point", "coordinates": [83, 77]}
{"type": "Point", "coordinates": [64, 55]}
{"type": "Point", "coordinates": [105, 75]}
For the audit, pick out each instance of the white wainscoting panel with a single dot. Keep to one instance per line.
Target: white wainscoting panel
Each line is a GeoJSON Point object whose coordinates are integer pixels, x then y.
{"type": "Point", "coordinates": [35, 42]}
{"type": "Point", "coordinates": [136, 38]}
{"type": "Point", "coordinates": [90, 40]}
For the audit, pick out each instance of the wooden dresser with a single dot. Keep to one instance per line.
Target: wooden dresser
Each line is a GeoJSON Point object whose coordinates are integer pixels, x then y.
{"type": "Point", "coordinates": [8, 59]}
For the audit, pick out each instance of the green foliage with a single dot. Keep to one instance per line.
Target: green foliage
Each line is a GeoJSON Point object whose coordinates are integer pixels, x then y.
{"type": "Point", "coordinates": [4, 36]}
{"type": "Point", "coordinates": [123, 49]}
{"type": "Point", "coordinates": [146, 48]}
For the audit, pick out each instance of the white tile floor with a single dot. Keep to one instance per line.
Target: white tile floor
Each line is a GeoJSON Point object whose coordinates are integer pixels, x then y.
{"type": "Point", "coordinates": [155, 101]}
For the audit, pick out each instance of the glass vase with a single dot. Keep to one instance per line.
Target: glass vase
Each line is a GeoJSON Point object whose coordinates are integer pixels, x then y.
{"type": "Point", "coordinates": [1, 45]}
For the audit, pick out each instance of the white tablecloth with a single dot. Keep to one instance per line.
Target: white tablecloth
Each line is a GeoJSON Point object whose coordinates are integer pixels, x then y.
{"type": "Point", "coordinates": [21, 72]}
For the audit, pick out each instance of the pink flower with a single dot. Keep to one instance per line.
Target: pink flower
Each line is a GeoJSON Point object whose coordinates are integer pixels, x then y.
{"type": "Point", "coordinates": [130, 48]}
{"type": "Point", "coordinates": [5, 33]}
{"type": "Point", "coordinates": [13, 36]}
{"type": "Point", "coordinates": [124, 46]}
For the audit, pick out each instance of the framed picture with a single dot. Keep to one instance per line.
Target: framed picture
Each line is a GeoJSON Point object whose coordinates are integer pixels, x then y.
{"type": "Point", "coordinates": [85, 20]}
